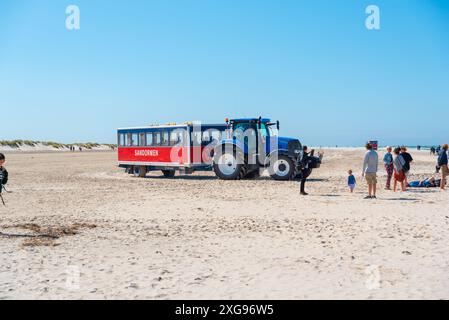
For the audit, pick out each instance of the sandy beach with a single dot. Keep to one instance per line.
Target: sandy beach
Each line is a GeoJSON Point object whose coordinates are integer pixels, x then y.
{"type": "Point", "coordinates": [109, 235]}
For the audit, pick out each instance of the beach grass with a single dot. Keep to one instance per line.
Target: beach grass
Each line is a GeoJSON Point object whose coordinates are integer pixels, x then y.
{"type": "Point", "coordinates": [16, 144]}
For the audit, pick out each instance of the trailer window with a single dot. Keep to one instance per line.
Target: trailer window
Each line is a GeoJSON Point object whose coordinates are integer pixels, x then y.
{"type": "Point", "coordinates": [176, 137]}
{"type": "Point", "coordinates": [121, 139]}
{"type": "Point", "coordinates": [206, 136]}
{"type": "Point", "coordinates": [128, 139]}
{"type": "Point", "coordinates": [156, 139]}
{"type": "Point", "coordinates": [164, 141]}
{"type": "Point", "coordinates": [216, 135]}
{"type": "Point", "coordinates": [149, 138]}
{"type": "Point", "coordinates": [196, 138]}
{"type": "Point", "coordinates": [134, 139]}
{"type": "Point", "coordinates": [142, 139]}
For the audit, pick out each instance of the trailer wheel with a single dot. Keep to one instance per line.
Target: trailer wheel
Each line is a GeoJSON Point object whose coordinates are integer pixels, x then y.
{"type": "Point", "coordinates": [282, 168]}
{"type": "Point", "coordinates": [168, 173]}
{"type": "Point", "coordinates": [140, 171]}
{"type": "Point", "coordinates": [229, 166]}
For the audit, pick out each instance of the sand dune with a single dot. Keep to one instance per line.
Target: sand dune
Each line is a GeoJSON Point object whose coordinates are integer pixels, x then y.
{"type": "Point", "coordinates": [196, 237]}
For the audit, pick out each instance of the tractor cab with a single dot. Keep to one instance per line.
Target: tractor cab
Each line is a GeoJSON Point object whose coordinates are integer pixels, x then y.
{"type": "Point", "coordinates": [257, 134]}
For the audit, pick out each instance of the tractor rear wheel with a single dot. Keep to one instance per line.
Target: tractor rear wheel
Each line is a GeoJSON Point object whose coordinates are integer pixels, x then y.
{"type": "Point", "coordinates": [229, 166]}
{"type": "Point", "coordinates": [282, 168]}
{"type": "Point", "coordinates": [168, 173]}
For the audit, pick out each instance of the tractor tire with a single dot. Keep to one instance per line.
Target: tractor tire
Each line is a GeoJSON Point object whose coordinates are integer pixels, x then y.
{"type": "Point", "coordinates": [282, 169]}
{"type": "Point", "coordinates": [229, 166]}
{"type": "Point", "coordinates": [168, 173]}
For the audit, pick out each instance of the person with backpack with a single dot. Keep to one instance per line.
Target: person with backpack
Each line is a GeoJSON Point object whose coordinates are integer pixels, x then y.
{"type": "Point", "coordinates": [399, 174]}
{"type": "Point", "coordinates": [442, 163]}
{"type": "Point", "coordinates": [408, 160]}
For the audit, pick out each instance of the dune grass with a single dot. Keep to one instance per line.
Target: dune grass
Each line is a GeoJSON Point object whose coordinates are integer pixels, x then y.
{"type": "Point", "coordinates": [56, 145]}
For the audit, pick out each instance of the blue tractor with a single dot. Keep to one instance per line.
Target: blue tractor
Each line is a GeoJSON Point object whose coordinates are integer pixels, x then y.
{"type": "Point", "coordinates": [253, 144]}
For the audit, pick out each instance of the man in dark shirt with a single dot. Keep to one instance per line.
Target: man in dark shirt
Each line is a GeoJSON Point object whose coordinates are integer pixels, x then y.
{"type": "Point", "coordinates": [305, 170]}
{"type": "Point", "coordinates": [3, 174]}
{"type": "Point", "coordinates": [442, 163]}
{"type": "Point", "coordinates": [408, 159]}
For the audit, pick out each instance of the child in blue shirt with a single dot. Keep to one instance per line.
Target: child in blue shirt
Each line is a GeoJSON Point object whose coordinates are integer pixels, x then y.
{"type": "Point", "coordinates": [351, 181]}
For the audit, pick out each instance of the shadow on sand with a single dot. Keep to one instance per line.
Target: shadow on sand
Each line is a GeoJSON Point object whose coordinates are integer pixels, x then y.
{"type": "Point", "coordinates": [426, 190]}
{"type": "Point", "coordinates": [401, 199]}
{"type": "Point", "coordinates": [183, 177]}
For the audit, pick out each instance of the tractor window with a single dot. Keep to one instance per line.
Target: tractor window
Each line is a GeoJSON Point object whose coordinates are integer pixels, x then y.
{"type": "Point", "coordinates": [149, 138]}
{"type": "Point", "coordinates": [128, 141]}
{"type": "Point", "coordinates": [273, 131]}
{"type": "Point", "coordinates": [242, 130]}
{"type": "Point", "coordinates": [263, 130]}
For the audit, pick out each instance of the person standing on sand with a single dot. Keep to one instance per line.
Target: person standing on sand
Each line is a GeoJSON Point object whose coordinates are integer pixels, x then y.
{"type": "Point", "coordinates": [3, 172]}
{"type": "Point", "coordinates": [408, 160]}
{"type": "Point", "coordinates": [369, 171]}
{"type": "Point", "coordinates": [389, 167]}
{"type": "Point", "coordinates": [305, 171]}
{"type": "Point", "coordinates": [442, 163]}
{"type": "Point", "coordinates": [399, 174]}
{"type": "Point", "coordinates": [3, 175]}
{"type": "Point", "coordinates": [351, 181]}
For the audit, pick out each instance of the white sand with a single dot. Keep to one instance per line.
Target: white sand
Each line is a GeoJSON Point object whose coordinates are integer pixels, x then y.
{"type": "Point", "coordinates": [196, 237]}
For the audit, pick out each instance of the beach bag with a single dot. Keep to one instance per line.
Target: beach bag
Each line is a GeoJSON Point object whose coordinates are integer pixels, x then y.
{"type": "Point", "coordinates": [406, 161]}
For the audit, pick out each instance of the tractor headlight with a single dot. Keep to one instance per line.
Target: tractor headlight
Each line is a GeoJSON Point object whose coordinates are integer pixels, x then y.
{"type": "Point", "coordinates": [297, 151]}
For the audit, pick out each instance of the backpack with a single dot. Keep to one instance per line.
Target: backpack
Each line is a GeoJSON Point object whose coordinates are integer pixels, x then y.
{"type": "Point", "coordinates": [3, 177]}
{"type": "Point", "coordinates": [406, 165]}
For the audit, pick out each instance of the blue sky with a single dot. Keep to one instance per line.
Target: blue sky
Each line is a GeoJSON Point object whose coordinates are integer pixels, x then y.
{"type": "Point", "coordinates": [312, 65]}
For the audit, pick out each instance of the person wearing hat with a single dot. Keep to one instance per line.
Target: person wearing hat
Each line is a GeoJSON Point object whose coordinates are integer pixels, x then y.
{"type": "Point", "coordinates": [369, 171]}
{"type": "Point", "coordinates": [442, 163]}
